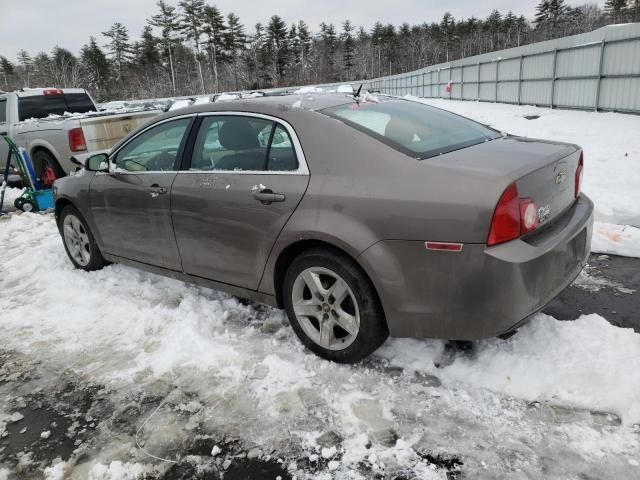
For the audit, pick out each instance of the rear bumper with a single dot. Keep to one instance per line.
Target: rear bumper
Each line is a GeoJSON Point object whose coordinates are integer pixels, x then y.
{"type": "Point", "coordinates": [482, 291]}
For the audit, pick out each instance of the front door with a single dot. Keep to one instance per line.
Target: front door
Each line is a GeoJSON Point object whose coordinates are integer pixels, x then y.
{"type": "Point", "coordinates": [131, 204]}
{"type": "Point", "coordinates": [246, 178]}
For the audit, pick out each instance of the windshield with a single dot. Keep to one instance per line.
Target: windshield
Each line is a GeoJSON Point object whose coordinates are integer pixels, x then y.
{"type": "Point", "coordinates": [416, 129]}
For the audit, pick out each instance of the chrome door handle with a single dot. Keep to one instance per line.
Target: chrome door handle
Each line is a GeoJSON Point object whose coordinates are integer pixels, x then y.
{"type": "Point", "coordinates": [267, 197]}
{"type": "Point", "coordinates": [156, 190]}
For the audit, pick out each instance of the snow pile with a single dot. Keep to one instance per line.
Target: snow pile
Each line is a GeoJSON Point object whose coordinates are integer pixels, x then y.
{"type": "Point", "coordinates": [345, 89]}
{"type": "Point", "coordinates": [611, 155]}
{"type": "Point", "coordinates": [587, 362]}
{"type": "Point", "coordinates": [227, 97]}
{"type": "Point", "coordinates": [616, 239]}
{"type": "Point", "coordinates": [180, 104]}
{"type": "Point", "coordinates": [10, 194]}
{"type": "Point", "coordinates": [202, 100]}
{"type": "Point", "coordinates": [239, 368]}
{"type": "Point", "coordinates": [308, 89]}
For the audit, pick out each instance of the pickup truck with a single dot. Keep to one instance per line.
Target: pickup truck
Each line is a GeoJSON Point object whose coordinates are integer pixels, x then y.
{"type": "Point", "coordinates": [53, 124]}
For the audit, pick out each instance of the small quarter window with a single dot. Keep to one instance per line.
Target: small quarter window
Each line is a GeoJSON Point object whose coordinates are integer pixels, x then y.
{"type": "Point", "coordinates": [282, 156]}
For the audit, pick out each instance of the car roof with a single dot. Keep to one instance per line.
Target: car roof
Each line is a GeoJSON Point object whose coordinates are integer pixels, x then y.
{"type": "Point", "coordinates": [280, 105]}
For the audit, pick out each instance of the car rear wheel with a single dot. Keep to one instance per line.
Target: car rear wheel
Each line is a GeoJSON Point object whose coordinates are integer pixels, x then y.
{"type": "Point", "coordinates": [333, 307]}
{"type": "Point", "coordinates": [78, 240]}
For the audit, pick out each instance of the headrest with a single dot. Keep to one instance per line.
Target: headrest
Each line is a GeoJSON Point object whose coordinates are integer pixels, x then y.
{"type": "Point", "coordinates": [238, 134]}
{"type": "Point", "coordinates": [399, 130]}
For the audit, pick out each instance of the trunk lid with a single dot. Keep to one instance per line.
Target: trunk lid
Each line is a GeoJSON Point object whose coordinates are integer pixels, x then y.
{"type": "Point", "coordinates": [542, 170]}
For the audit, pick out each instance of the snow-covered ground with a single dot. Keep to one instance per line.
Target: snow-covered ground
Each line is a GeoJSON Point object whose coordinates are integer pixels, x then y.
{"type": "Point", "coordinates": [558, 400]}
{"type": "Point", "coordinates": [548, 400]}
{"type": "Point", "coordinates": [611, 144]}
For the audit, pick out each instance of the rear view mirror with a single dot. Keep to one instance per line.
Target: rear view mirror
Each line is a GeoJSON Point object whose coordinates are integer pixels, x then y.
{"type": "Point", "coordinates": [98, 163]}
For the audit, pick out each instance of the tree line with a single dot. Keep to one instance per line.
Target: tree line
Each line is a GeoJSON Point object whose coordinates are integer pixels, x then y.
{"type": "Point", "coordinates": [193, 48]}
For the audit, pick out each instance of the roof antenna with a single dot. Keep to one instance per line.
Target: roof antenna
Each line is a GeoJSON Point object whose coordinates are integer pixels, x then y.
{"type": "Point", "coordinates": [357, 94]}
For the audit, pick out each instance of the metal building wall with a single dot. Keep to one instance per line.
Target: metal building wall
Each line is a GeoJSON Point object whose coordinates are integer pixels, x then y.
{"type": "Point", "coordinates": [599, 70]}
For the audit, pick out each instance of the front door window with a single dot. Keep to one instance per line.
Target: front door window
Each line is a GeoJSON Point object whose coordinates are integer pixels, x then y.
{"type": "Point", "coordinates": [155, 150]}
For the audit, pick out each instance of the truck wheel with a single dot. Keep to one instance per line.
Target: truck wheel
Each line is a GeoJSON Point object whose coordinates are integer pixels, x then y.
{"type": "Point", "coordinates": [47, 167]}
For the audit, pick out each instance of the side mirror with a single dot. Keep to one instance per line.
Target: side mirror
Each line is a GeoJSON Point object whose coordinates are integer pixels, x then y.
{"type": "Point", "coordinates": [98, 163]}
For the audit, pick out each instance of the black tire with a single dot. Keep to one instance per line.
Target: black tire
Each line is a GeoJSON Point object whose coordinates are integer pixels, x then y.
{"type": "Point", "coordinates": [41, 159]}
{"type": "Point", "coordinates": [96, 260]}
{"type": "Point", "coordinates": [18, 203]}
{"type": "Point", "coordinates": [373, 327]}
{"type": "Point", "coordinates": [27, 206]}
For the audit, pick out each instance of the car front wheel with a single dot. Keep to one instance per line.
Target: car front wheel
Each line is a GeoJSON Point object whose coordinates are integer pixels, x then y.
{"type": "Point", "coordinates": [333, 307]}
{"type": "Point", "coordinates": [78, 240]}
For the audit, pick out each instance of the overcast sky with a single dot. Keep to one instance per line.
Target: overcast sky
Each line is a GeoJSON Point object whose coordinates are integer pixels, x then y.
{"type": "Point", "coordinates": [39, 25]}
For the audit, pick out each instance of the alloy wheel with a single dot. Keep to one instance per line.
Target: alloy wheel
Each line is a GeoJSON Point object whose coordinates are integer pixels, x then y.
{"type": "Point", "coordinates": [326, 308]}
{"type": "Point", "coordinates": [77, 240]}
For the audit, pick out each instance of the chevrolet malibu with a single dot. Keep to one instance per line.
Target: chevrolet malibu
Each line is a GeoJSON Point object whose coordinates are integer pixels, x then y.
{"type": "Point", "coordinates": [361, 216]}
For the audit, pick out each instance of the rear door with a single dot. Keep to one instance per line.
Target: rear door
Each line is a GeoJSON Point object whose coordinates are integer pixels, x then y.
{"type": "Point", "coordinates": [246, 176]}
{"type": "Point", "coordinates": [131, 205]}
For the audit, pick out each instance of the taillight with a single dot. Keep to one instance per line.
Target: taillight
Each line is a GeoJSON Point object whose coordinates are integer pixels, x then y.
{"type": "Point", "coordinates": [53, 91]}
{"type": "Point", "coordinates": [512, 217]}
{"type": "Point", "coordinates": [528, 216]}
{"type": "Point", "coordinates": [76, 140]}
{"type": "Point", "coordinates": [578, 179]}
{"type": "Point", "coordinates": [505, 224]}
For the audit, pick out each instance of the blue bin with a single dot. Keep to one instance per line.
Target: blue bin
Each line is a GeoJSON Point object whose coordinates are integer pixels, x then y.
{"type": "Point", "coordinates": [44, 199]}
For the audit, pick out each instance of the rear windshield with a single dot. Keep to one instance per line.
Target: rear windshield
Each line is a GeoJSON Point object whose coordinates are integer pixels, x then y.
{"type": "Point", "coordinates": [413, 128]}
{"type": "Point", "coordinates": [41, 106]}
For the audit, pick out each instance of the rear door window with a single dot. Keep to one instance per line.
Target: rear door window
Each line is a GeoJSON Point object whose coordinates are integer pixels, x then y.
{"type": "Point", "coordinates": [413, 128]}
{"type": "Point", "coordinates": [231, 143]}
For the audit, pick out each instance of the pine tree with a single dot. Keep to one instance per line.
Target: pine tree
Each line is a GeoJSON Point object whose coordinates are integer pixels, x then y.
{"type": "Point", "coordinates": [6, 67]}
{"type": "Point", "coordinates": [167, 21]}
{"type": "Point", "coordinates": [191, 26]}
{"type": "Point", "coordinates": [214, 29]}
{"type": "Point", "coordinates": [119, 48]}
{"type": "Point", "coordinates": [304, 42]}
{"type": "Point", "coordinates": [557, 16]}
{"type": "Point", "coordinates": [294, 53]}
{"type": "Point", "coordinates": [522, 26]}
{"type": "Point", "coordinates": [41, 70]}
{"type": "Point", "coordinates": [634, 10]}
{"type": "Point", "coordinates": [447, 28]}
{"type": "Point", "coordinates": [147, 54]}
{"type": "Point", "coordinates": [329, 40]}
{"type": "Point", "coordinates": [96, 67]}
{"type": "Point", "coordinates": [277, 46]}
{"type": "Point", "coordinates": [376, 40]}
{"type": "Point", "coordinates": [24, 67]}
{"type": "Point", "coordinates": [616, 10]}
{"type": "Point", "coordinates": [542, 14]}
{"type": "Point", "coordinates": [235, 41]}
{"type": "Point", "coordinates": [349, 45]}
